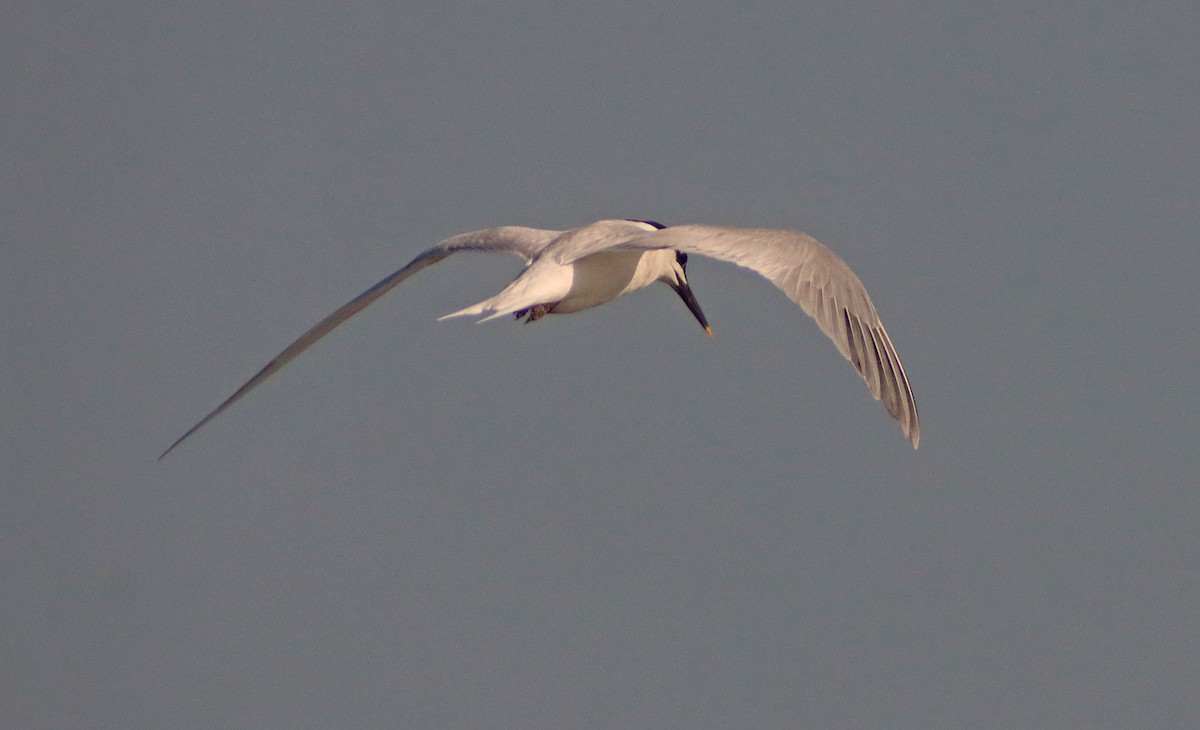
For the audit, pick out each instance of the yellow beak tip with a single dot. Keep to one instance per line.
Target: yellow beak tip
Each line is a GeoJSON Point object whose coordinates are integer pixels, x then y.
{"type": "Point", "coordinates": [708, 330]}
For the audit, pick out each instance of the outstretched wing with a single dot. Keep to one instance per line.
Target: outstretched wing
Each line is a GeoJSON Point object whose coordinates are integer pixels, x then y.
{"type": "Point", "coordinates": [524, 242]}
{"type": "Point", "coordinates": [825, 288]}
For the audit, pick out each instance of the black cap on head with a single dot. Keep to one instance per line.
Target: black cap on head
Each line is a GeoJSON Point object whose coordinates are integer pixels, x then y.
{"type": "Point", "coordinates": [656, 224]}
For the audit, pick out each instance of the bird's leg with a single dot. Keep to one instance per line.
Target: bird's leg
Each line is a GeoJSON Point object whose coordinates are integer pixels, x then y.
{"type": "Point", "coordinates": [537, 312]}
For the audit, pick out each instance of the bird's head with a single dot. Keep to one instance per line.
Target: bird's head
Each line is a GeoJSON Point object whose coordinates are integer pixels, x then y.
{"type": "Point", "coordinates": [676, 278]}
{"type": "Point", "coordinates": [673, 264]}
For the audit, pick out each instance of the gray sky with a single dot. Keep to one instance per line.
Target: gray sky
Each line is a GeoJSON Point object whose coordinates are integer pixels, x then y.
{"type": "Point", "coordinates": [602, 520]}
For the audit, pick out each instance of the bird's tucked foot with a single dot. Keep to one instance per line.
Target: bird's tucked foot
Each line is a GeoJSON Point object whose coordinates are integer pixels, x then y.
{"type": "Point", "coordinates": [535, 313]}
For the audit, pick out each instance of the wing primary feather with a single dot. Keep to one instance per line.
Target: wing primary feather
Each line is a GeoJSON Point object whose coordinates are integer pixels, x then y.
{"type": "Point", "coordinates": [875, 381]}
{"type": "Point", "coordinates": [911, 425]}
{"type": "Point", "coordinates": [889, 391]}
{"type": "Point", "coordinates": [853, 351]}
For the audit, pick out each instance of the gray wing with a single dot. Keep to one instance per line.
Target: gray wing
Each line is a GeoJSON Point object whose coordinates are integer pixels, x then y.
{"type": "Point", "coordinates": [524, 242]}
{"type": "Point", "coordinates": [603, 235]}
{"type": "Point", "coordinates": [825, 288]}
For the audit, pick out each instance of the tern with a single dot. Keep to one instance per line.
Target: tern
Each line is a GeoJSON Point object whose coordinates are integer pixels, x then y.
{"type": "Point", "coordinates": [569, 271]}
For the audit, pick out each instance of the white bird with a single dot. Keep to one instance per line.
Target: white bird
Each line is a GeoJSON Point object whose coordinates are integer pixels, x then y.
{"type": "Point", "coordinates": [569, 271]}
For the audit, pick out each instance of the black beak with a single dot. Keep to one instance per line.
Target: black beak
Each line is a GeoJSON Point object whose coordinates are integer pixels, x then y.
{"type": "Point", "coordinates": [685, 293]}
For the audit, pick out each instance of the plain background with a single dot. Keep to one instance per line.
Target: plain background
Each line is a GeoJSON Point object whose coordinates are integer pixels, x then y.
{"type": "Point", "coordinates": [604, 520]}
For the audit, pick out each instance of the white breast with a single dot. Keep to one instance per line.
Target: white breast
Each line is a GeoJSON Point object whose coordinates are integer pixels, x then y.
{"type": "Point", "coordinates": [602, 277]}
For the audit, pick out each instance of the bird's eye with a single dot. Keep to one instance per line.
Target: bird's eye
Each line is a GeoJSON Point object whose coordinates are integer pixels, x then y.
{"type": "Point", "coordinates": [681, 257]}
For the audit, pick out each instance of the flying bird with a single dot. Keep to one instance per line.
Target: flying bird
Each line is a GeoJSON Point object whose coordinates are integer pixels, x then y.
{"type": "Point", "coordinates": [569, 271]}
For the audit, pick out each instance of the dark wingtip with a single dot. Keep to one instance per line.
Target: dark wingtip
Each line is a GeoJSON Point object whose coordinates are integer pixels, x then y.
{"type": "Point", "coordinates": [181, 439]}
